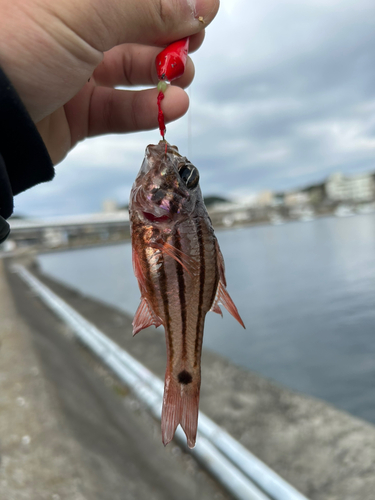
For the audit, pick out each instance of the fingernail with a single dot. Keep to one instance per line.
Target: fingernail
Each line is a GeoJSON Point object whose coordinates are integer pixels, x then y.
{"type": "Point", "coordinates": [203, 10]}
{"type": "Point", "coordinates": [192, 6]}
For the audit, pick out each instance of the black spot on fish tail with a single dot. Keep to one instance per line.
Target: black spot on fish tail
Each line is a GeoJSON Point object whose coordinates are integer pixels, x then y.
{"type": "Point", "coordinates": [184, 377]}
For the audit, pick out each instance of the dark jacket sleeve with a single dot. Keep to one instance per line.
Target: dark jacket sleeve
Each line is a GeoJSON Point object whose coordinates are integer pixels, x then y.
{"type": "Point", "coordinates": [24, 159]}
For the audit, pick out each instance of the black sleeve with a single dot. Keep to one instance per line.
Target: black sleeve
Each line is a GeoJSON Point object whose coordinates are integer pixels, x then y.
{"type": "Point", "coordinates": [24, 159]}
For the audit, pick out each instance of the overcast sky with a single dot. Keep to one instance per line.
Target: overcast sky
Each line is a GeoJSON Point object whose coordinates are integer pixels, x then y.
{"type": "Point", "coordinates": [284, 95]}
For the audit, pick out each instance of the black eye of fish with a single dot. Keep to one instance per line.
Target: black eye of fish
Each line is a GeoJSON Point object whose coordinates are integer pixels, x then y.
{"type": "Point", "coordinates": [190, 175]}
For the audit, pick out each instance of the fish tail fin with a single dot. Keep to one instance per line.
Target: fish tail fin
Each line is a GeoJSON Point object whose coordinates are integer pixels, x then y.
{"type": "Point", "coordinates": [189, 419]}
{"type": "Point", "coordinates": [180, 406]}
{"type": "Point", "coordinates": [172, 409]}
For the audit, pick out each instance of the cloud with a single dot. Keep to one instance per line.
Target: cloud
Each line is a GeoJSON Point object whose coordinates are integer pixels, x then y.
{"type": "Point", "coordinates": [284, 95]}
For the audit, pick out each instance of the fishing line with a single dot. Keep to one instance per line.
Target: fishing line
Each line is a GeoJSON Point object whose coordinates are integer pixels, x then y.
{"type": "Point", "coordinates": [189, 129]}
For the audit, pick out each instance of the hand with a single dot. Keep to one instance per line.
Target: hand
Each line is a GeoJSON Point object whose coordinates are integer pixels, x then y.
{"type": "Point", "coordinates": [50, 49]}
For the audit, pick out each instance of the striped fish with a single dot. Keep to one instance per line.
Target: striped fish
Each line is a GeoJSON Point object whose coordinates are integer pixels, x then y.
{"type": "Point", "coordinates": [180, 272]}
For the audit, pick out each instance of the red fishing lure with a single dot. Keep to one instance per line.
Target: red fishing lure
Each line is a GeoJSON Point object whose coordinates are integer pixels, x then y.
{"type": "Point", "coordinates": [170, 64]}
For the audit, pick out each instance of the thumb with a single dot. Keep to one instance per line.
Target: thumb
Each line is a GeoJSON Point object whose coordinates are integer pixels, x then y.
{"type": "Point", "coordinates": [104, 24]}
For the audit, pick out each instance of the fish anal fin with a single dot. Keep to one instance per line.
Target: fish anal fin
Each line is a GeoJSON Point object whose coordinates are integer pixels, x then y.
{"type": "Point", "coordinates": [223, 297]}
{"type": "Point", "coordinates": [145, 317]}
{"type": "Point", "coordinates": [180, 406]}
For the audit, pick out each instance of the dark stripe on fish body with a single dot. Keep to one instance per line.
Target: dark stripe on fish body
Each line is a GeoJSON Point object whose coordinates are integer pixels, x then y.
{"type": "Point", "coordinates": [202, 277]}
{"type": "Point", "coordinates": [181, 293]}
{"type": "Point", "coordinates": [164, 297]}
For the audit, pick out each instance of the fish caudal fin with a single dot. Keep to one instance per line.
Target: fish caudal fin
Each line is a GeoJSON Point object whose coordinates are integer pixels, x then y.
{"type": "Point", "coordinates": [180, 406]}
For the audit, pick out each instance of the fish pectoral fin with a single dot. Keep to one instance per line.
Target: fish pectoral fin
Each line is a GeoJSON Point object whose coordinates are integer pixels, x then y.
{"type": "Point", "coordinates": [223, 297]}
{"type": "Point", "coordinates": [187, 262]}
{"type": "Point", "coordinates": [145, 317]}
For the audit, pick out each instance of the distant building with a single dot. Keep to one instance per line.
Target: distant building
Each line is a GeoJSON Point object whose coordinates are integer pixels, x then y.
{"type": "Point", "coordinates": [317, 193]}
{"type": "Point", "coordinates": [296, 198]}
{"type": "Point", "coordinates": [278, 199]}
{"type": "Point", "coordinates": [264, 199]}
{"type": "Point", "coordinates": [356, 188]}
{"type": "Point", "coordinates": [109, 206]}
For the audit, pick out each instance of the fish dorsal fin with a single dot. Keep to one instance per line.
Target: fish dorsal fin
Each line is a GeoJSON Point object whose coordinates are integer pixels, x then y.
{"type": "Point", "coordinates": [145, 317]}
{"type": "Point", "coordinates": [223, 297]}
{"type": "Point", "coordinates": [220, 263]}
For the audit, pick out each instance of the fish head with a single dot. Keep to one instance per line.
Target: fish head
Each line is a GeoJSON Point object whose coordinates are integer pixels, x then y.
{"type": "Point", "coordinates": [167, 186]}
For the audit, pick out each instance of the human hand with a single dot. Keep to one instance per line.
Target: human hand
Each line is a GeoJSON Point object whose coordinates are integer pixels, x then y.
{"type": "Point", "coordinates": [50, 49]}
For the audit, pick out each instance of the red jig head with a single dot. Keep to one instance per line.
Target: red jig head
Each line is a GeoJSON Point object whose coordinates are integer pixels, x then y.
{"type": "Point", "coordinates": [170, 63]}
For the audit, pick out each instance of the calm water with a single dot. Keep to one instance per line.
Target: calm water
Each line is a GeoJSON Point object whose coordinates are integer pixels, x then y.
{"type": "Point", "coordinates": [306, 292]}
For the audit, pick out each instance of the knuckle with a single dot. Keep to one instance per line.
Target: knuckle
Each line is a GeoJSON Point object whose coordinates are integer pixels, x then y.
{"type": "Point", "coordinates": [127, 66]}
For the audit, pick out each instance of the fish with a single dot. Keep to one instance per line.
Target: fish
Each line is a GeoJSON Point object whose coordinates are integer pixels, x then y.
{"type": "Point", "coordinates": [181, 276]}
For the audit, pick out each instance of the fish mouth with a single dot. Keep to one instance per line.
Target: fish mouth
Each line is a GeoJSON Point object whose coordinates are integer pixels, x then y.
{"type": "Point", "coordinates": [153, 218]}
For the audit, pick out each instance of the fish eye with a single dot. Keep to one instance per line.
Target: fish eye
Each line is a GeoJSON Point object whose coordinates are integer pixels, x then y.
{"type": "Point", "coordinates": [190, 175]}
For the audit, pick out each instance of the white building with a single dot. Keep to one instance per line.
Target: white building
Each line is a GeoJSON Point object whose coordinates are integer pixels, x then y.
{"type": "Point", "coordinates": [358, 188]}
{"type": "Point", "coordinates": [296, 198]}
{"type": "Point", "coordinates": [109, 206]}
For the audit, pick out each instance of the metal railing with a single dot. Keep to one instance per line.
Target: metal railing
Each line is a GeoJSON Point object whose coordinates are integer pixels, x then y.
{"type": "Point", "coordinates": [243, 475]}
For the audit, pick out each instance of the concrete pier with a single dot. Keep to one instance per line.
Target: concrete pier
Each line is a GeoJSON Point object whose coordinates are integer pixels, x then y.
{"type": "Point", "coordinates": [323, 452]}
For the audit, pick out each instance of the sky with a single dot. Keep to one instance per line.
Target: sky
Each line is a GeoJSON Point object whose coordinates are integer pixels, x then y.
{"type": "Point", "coordinates": [284, 95]}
